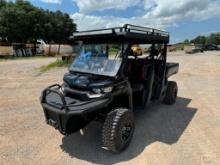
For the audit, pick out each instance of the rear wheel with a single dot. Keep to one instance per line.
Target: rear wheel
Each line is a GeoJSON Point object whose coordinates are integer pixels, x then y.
{"type": "Point", "coordinates": [118, 129]}
{"type": "Point", "coordinates": [171, 93]}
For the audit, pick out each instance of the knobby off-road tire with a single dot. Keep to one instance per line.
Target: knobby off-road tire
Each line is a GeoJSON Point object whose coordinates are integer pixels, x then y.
{"type": "Point", "coordinates": [171, 93]}
{"type": "Point", "coordinates": [118, 129]}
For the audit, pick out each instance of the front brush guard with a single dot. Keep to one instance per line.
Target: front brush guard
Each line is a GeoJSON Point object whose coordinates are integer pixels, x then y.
{"type": "Point", "coordinates": [69, 115]}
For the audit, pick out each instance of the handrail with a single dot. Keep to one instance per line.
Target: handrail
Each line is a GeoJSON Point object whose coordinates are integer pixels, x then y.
{"type": "Point", "coordinates": [148, 30]}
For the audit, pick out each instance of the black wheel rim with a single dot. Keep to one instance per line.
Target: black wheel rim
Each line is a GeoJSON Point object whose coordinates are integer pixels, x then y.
{"type": "Point", "coordinates": [126, 132]}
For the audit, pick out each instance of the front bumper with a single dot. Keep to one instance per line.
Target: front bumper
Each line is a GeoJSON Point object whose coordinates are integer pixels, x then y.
{"type": "Point", "coordinates": [66, 115]}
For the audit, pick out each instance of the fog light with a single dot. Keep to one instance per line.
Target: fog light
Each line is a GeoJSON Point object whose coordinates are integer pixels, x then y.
{"type": "Point", "coordinates": [97, 90]}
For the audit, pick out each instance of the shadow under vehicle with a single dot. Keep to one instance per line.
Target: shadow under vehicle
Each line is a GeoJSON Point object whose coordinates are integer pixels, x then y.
{"type": "Point", "coordinates": [158, 124]}
{"type": "Point", "coordinates": [108, 81]}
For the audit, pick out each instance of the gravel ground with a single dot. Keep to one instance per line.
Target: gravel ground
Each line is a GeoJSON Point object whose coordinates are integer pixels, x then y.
{"type": "Point", "coordinates": [185, 133]}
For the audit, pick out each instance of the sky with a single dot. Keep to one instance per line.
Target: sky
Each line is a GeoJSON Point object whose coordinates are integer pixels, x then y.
{"type": "Point", "coordinates": [184, 19]}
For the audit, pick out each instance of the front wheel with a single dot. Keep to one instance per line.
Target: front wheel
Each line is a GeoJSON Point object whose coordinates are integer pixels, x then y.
{"type": "Point", "coordinates": [171, 93]}
{"type": "Point", "coordinates": [118, 129]}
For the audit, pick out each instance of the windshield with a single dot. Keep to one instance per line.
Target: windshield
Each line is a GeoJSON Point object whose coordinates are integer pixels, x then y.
{"type": "Point", "coordinates": [101, 59]}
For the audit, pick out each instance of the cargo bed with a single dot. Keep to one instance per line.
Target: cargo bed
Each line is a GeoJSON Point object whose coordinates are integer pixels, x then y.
{"type": "Point", "coordinates": [171, 69]}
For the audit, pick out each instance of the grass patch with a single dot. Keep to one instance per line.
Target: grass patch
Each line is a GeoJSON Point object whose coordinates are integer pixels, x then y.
{"type": "Point", "coordinates": [2, 59]}
{"type": "Point", "coordinates": [55, 64]}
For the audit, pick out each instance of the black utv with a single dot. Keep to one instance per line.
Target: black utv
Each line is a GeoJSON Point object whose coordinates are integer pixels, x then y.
{"type": "Point", "coordinates": [109, 79]}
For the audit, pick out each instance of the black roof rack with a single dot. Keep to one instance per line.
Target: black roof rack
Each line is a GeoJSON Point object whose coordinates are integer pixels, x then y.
{"type": "Point", "coordinates": [127, 33]}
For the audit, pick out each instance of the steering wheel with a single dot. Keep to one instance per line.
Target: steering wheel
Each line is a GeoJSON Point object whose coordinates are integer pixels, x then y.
{"type": "Point", "coordinates": [98, 65]}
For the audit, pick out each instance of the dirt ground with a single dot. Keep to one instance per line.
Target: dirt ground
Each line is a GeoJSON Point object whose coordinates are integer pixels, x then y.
{"type": "Point", "coordinates": [185, 133]}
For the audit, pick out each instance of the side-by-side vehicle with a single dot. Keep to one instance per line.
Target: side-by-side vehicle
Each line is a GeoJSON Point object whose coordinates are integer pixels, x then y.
{"type": "Point", "coordinates": [109, 78]}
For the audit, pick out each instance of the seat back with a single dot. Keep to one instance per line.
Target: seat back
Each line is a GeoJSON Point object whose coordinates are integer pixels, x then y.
{"type": "Point", "coordinates": [136, 70]}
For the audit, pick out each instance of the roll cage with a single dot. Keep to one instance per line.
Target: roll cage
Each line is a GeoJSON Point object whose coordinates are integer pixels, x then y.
{"type": "Point", "coordinates": [129, 34]}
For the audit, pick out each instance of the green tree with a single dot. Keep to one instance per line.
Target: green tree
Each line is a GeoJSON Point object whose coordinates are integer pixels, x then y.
{"type": "Point", "coordinates": [15, 20]}
{"type": "Point", "coordinates": [21, 22]}
{"type": "Point", "coordinates": [214, 38]}
{"type": "Point", "coordinates": [199, 40]}
{"type": "Point", "coordinates": [186, 41]}
{"type": "Point", "coordinates": [58, 27]}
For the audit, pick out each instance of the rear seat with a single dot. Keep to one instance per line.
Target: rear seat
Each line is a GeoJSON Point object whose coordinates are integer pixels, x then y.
{"type": "Point", "coordinates": [137, 72]}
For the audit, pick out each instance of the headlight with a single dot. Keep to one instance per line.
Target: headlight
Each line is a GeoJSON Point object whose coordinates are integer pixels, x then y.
{"type": "Point", "coordinates": [107, 89]}
{"type": "Point", "coordinates": [102, 90]}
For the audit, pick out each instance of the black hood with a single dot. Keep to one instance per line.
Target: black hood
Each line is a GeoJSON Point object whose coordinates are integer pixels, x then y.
{"type": "Point", "coordinates": [86, 80]}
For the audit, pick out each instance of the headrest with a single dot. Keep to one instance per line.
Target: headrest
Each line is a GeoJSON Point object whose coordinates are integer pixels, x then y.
{"type": "Point", "coordinates": [136, 51]}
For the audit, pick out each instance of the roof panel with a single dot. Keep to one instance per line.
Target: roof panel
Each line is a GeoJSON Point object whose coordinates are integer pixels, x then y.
{"type": "Point", "coordinates": [127, 33]}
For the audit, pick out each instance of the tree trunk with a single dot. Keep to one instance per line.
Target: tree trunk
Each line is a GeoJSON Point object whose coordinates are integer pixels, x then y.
{"type": "Point", "coordinates": [58, 51]}
{"type": "Point", "coordinates": [22, 49]}
{"type": "Point", "coordinates": [35, 47]}
{"type": "Point", "coordinates": [49, 49]}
